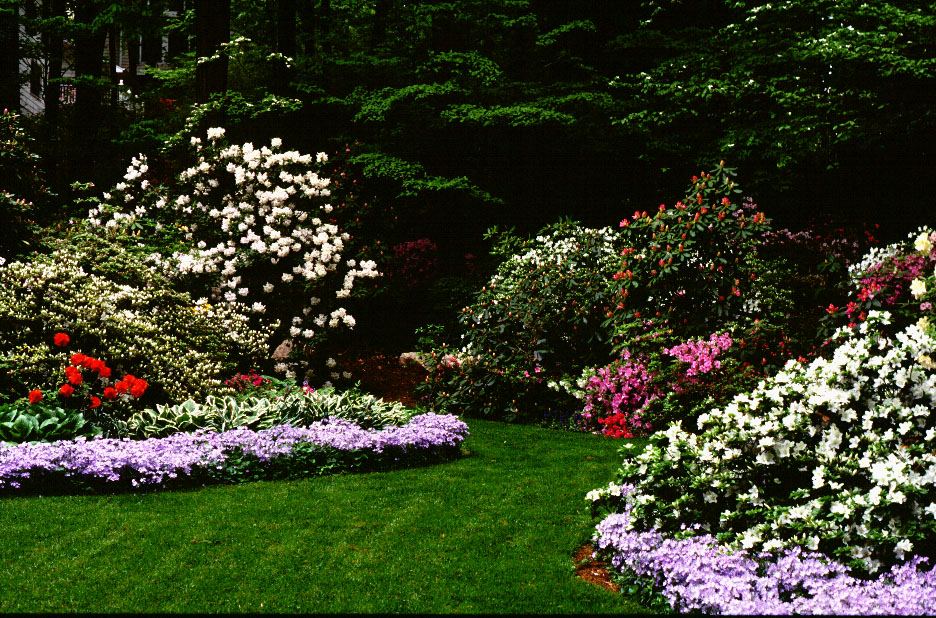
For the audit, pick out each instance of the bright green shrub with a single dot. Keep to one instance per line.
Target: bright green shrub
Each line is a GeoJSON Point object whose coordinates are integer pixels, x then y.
{"type": "Point", "coordinates": [115, 308]}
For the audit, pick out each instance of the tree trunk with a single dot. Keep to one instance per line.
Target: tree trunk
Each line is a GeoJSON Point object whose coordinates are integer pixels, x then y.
{"type": "Point", "coordinates": [113, 45]}
{"type": "Point", "coordinates": [89, 64]}
{"type": "Point", "coordinates": [212, 28]}
{"type": "Point", "coordinates": [53, 42]}
{"type": "Point", "coordinates": [285, 43]}
{"type": "Point", "coordinates": [325, 26]}
{"type": "Point", "coordinates": [9, 56]}
{"type": "Point", "coordinates": [379, 30]}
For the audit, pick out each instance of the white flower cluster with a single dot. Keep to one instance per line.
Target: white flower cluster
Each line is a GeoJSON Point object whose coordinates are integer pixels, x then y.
{"type": "Point", "coordinates": [922, 239]}
{"type": "Point", "coordinates": [834, 454]}
{"type": "Point", "coordinates": [252, 214]}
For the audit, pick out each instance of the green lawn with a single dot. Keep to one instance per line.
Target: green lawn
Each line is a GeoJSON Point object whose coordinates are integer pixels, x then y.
{"type": "Point", "coordinates": [491, 532]}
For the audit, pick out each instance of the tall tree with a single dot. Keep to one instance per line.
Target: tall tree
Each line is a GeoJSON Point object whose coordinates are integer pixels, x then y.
{"type": "Point", "coordinates": [212, 29]}
{"type": "Point", "coordinates": [90, 84]}
{"type": "Point", "coordinates": [285, 42]}
{"type": "Point", "coordinates": [9, 56]}
{"type": "Point", "coordinates": [53, 41]}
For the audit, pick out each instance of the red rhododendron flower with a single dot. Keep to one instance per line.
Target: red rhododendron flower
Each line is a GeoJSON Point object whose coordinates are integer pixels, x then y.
{"type": "Point", "coordinates": [35, 396]}
{"type": "Point", "coordinates": [104, 372]}
{"type": "Point", "coordinates": [78, 359]}
{"type": "Point", "coordinates": [138, 388]}
{"type": "Point", "coordinates": [110, 393]}
{"type": "Point", "coordinates": [66, 390]}
{"type": "Point", "coordinates": [73, 375]}
{"type": "Point", "coordinates": [95, 402]}
{"type": "Point", "coordinates": [61, 340]}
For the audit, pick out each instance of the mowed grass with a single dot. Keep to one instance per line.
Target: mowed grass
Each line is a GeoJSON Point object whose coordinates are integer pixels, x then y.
{"type": "Point", "coordinates": [491, 532]}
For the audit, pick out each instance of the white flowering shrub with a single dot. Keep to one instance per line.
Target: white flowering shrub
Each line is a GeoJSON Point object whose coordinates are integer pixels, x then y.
{"type": "Point", "coordinates": [254, 225]}
{"type": "Point", "coordinates": [121, 311]}
{"type": "Point", "coordinates": [835, 455]}
{"type": "Point", "coordinates": [538, 320]}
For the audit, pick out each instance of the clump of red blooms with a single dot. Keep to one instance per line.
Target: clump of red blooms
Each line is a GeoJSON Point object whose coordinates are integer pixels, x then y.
{"type": "Point", "coordinates": [246, 381]}
{"type": "Point", "coordinates": [130, 385]}
{"type": "Point", "coordinates": [617, 426]}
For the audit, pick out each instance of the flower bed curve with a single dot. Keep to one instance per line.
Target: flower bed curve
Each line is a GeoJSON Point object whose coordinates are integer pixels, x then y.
{"type": "Point", "coordinates": [238, 454]}
{"type": "Point", "coordinates": [696, 574]}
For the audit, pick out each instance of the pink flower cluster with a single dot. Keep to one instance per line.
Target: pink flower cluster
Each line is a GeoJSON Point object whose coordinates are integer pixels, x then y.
{"type": "Point", "coordinates": [620, 391]}
{"type": "Point", "coordinates": [700, 355]}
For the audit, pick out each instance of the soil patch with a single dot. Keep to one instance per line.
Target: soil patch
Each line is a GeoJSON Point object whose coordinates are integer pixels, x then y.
{"type": "Point", "coordinates": [591, 570]}
{"type": "Point", "coordinates": [381, 374]}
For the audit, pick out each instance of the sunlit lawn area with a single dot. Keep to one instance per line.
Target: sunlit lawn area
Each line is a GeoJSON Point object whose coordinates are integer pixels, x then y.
{"type": "Point", "coordinates": [493, 531]}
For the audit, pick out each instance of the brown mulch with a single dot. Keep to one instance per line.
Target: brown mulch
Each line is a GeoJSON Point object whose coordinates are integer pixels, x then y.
{"type": "Point", "coordinates": [591, 570]}
{"type": "Point", "coordinates": [382, 375]}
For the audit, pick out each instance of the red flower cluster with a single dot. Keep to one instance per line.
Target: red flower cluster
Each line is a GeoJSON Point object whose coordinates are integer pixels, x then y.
{"type": "Point", "coordinates": [35, 396]}
{"type": "Point", "coordinates": [131, 385]}
{"type": "Point", "coordinates": [616, 426]}
{"type": "Point", "coordinates": [98, 366]}
{"type": "Point", "coordinates": [135, 386]}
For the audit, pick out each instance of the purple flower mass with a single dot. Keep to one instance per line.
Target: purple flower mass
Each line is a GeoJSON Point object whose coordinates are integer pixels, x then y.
{"type": "Point", "coordinates": [155, 460]}
{"type": "Point", "coordinates": [697, 575]}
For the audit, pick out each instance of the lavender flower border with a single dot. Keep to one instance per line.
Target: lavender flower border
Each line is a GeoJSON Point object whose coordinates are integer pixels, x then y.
{"type": "Point", "coordinates": [697, 575]}
{"type": "Point", "coordinates": [159, 461]}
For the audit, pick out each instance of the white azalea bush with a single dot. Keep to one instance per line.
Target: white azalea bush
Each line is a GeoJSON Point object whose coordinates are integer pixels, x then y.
{"type": "Point", "coordinates": [256, 226]}
{"type": "Point", "coordinates": [835, 455]}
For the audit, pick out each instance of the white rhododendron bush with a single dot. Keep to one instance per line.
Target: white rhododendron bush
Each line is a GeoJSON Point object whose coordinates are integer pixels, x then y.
{"type": "Point", "coordinates": [255, 226]}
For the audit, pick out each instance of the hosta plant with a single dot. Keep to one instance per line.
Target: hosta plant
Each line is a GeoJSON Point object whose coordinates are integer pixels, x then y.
{"type": "Point", "coordinates": [296, 407]}
{"type": "Point", "coordinates": [214, 413]}
{"type": "Point", "coordinates": [834, 455]}
{"type": "Point", "coordinates": [24, 421]}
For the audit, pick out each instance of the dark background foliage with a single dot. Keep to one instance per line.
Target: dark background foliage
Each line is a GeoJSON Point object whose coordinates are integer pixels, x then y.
{"type": "Point", "coordinates": [475, 113]}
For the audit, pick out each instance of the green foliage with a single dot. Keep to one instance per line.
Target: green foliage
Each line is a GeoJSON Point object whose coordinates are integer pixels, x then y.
{"type": "Point", "coordinates": [537, 320]}
{"type": "Point", "coordinates": [510, 115]}
{"type": "Point", "coordinates": [21, 421]}
{"type": "Point", "coordinates": [413, 178]}
{"type": "Point", "coordinates": [470, 69]}
{"type": "Point", "coordinates": [291, 405]}
{"type": "Point", "coordinates": [782, 85]}
{"type": "Point", "coordinates": [688, 260]}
